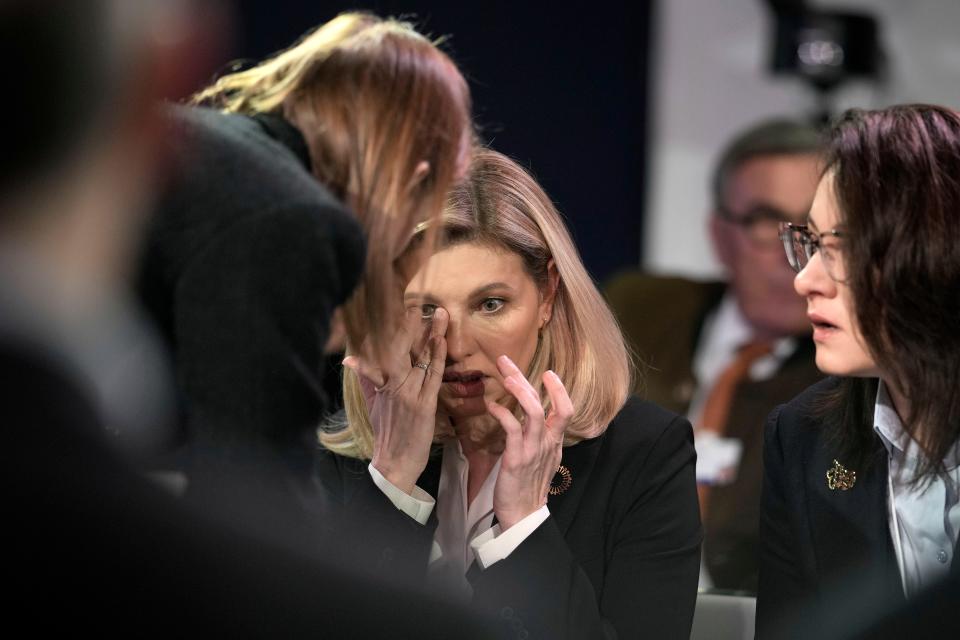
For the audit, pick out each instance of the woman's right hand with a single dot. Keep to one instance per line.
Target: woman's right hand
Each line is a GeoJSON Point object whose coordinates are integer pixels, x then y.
{"type": "Point", "coordinates": [402, 397]}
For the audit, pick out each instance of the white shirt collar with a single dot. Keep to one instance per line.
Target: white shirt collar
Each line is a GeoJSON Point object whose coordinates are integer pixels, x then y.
{"type": "Point", "coordinates": [887, 424]}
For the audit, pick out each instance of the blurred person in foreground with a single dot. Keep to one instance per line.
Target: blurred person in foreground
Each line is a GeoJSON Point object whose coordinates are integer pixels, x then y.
{"type": "Point", "coordinates": [296, 184]}
{"type": "Point", "coordinates": [861, 470]}
{"type": "Point", "coordinates": [91, 544]}
{"type": "Point", "coordinates": [726, 353]}
{"type": "Point", "coordinates": [499, 455]}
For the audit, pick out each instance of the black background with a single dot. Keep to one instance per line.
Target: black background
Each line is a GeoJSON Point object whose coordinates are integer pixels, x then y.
{"type": "Point", "coordinates": [562, 91]}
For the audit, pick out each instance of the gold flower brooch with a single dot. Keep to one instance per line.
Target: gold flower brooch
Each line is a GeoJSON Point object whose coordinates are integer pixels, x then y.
{"type": "Point", "coordinates": [839, 477]}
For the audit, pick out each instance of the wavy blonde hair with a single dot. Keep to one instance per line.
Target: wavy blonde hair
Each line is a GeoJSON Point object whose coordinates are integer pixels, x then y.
{"type": "Point", "coordinates": [373, 99]}
{"type": "Point", "coordinates": [502, 206]}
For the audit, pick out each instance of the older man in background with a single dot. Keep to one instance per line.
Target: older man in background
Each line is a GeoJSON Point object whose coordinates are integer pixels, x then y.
{"type": "Point", "coordinates": [726, 353]}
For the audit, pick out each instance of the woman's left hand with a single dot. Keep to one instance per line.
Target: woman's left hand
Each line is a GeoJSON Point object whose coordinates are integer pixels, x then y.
{"type": "Point", "coordinates": [533, 447]}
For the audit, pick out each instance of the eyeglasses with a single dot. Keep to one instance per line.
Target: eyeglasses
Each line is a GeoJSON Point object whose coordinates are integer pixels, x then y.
{"type": "Point", "coordinates": [761, 223]}
{"type": "Point", "coordinates": [800, 244]}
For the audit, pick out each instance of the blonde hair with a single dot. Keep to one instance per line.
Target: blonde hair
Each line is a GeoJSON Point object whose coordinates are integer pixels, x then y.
{"type": "Point", "coordinates": [502, 206]}
{"type": "Point", "coordinates": [373, 99]}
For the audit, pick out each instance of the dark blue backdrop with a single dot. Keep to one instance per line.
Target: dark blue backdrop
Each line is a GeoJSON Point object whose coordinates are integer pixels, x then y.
{"type": "Point", "coordinates": [564, 92]}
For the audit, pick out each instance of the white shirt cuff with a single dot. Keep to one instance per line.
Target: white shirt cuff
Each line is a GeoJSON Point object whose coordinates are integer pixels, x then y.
{"type": "Point", "coordinates": [493, 545]}
{"type": "Point", "coordinates": [418, 506]}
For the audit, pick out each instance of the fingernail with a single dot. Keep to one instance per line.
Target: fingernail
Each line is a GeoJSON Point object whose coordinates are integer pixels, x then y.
{"type": "Point", "coordinates": [349, 361]}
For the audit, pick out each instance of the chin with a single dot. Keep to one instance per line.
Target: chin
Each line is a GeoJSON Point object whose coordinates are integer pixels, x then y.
{"type": "Point", "coordinates": [834, 364]}
{"type": "Point", "coordinates": [461, 408]}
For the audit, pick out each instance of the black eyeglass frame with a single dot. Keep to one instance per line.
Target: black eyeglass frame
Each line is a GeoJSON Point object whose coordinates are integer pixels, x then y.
{"type": "Point", "coordinates": [790, 236]}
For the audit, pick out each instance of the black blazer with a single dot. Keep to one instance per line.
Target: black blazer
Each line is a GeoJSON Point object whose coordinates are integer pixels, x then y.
{"type": "Point", "coordinates": [245, 261]}
{"type": "Point", "coordinates": [617, 558]}
{"type": "Point", "coordinates": [820, 548]}
{"type": "Point", "coordinates": [667, 342]}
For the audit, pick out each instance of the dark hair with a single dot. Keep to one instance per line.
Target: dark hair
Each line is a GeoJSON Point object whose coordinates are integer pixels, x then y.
{"type": "Point", "coordinates": [896, 176]}
{"type": "Point", "coordinates": [779, 136]}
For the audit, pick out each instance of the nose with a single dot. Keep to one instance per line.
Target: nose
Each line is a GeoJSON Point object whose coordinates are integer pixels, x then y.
{"type": "Point", "coordinates": [459, 338]}
{"type": "Point", "coordinates": [813, 279]}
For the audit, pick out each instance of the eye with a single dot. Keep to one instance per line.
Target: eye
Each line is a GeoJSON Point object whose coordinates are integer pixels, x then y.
{"type": "Point", "coordinates": [492, 305]}
{"type": "Point", "coordinates": [828, 252]}
{"type": "Point", "coordinates": [426, 311]}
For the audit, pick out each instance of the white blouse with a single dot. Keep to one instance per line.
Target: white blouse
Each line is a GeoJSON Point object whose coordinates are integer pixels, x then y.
{"type": "Point", "coordinates": [465, 532]}
{"type": "Point", "coordinates": [923, 520]}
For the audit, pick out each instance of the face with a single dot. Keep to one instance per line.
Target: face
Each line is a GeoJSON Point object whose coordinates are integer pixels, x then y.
{"type": "Point", "coordinates": [840, 348]}
{"type": "Point", "coordinates": [495, 309]}
{"type": "Point", "coordinates": [761, 279]}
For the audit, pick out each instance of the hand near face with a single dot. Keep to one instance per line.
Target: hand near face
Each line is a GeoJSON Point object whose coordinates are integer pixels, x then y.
{"type": "Point", "coordinates": [533, 446]}
{"type": "Point", "coordinates": [402, 397]}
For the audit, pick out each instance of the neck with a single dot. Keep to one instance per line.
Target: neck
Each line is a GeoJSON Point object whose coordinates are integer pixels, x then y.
{"type": "Point", "coordinates": [900, 402]}
{"type": "Point", "coordinates": [903, 407]}
{"type": "Point", "coordinates": [480, 436]}
{"type": "Point", "coordinates": [482, 441]}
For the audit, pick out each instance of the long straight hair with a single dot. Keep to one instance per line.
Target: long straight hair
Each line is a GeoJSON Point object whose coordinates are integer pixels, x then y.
{"type": "Point", "coordinates": [896, 176]}
{"type": "Point", "coordinates": [500, 205]}
{"type": "Point", "coordinates": [373, 99]}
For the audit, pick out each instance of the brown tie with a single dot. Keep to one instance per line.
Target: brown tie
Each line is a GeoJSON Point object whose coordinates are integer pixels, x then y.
{"type": "Point", "coordinates": [716, 410]}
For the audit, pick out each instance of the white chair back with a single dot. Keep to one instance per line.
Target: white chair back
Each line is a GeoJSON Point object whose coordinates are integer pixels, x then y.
{"type": "Point", "coordinates": [722, 617]}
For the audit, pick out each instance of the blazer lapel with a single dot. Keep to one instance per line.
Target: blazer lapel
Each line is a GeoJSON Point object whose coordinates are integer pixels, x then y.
{"type": "Point", "coordinates": [955, 564]}
{"type": "Point", "coordinates": [850, 528]}
{"type": "Point", "coordinates": [579, 460]}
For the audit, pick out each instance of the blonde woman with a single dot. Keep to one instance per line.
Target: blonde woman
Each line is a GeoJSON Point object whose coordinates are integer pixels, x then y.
{"type": "Point", "coordinates": [498, 450]}
{"type": "Point", "coordinates": [282, 175]}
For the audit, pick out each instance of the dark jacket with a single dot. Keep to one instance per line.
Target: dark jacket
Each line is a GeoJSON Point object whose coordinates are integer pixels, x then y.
{"type": "Point", "coordinates": [663, 319]}
{"type": "Point", "coordinates": [617, 558]}
{"type": "Point", "coordinates": [245, 261]}
{"type": "Point", "coordinates": [93, 545]}
{"type": "Point", "coordinates": [821, 549]}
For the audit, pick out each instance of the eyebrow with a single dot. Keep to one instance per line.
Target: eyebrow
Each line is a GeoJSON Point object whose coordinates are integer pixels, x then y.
{"type": "Point", "coordinates": [485, 289]}
{"type": "Point", "coordinates": [762, 206]}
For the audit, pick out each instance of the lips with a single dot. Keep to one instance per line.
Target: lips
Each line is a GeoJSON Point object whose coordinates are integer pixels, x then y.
{"type": "Point", "coordinates": [464, 383]}
{"type": "Point", "coordinates": [822, 327]}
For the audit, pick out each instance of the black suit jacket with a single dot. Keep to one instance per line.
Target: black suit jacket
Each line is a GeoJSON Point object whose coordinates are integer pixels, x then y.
{"type": "Point", "coordinates": [245, 261]}
{"type": "Point", "coordinates": [663, 318]}
{"type": "Point", "coordinates": [820, 548]}
{"type": "Point", "coordinates": [618, 556]}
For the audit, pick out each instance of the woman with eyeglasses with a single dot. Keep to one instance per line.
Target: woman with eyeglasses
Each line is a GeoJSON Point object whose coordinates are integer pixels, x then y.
{"type": "Point", "coordinates": [861, 470]}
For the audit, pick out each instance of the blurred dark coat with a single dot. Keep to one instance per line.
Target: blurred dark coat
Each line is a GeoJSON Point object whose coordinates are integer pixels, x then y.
{"type": "Point", "coordinates": [617, 558]}
{"type": "Point", "coordinates": [93, 545]}
{"type": "Point", "coordinates": [826, 555]}
{"type": "Point", "coordinates": [246, 259]}
{"type": "Point", "coordinates": [663, 318]}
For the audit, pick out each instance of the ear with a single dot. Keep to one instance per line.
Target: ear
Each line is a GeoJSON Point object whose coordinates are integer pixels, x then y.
{"type": "Point", "coordinates": [723, 240]}
{"type": "Point", "coordinates": [421, 171]}
{"type": "Point", "coordinates": [549, 293]}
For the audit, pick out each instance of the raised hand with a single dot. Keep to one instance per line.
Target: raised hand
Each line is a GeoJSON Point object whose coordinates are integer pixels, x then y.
{"type": "Point", "coordinates": [401, 396]}
{"type": "Point", "coordinates": [533, 446]}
